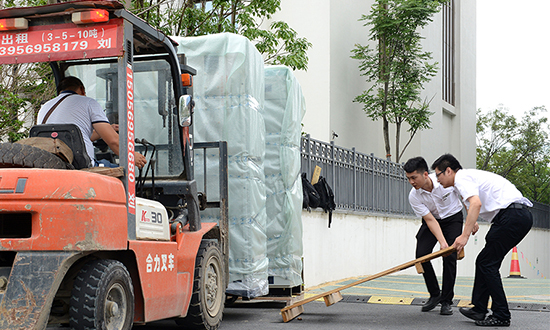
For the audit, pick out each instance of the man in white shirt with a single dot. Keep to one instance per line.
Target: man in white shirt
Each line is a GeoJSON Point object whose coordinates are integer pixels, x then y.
{"type": "Point", "coordinates": [441, 212]}
{"type": "Point", "coordinates": [86, 113]}
{"type": "Point", "coordinates": [495, 199]}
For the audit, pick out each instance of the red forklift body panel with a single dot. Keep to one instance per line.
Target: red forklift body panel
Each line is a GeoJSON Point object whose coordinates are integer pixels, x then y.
{"type": "Point", "coordinates": [168, 262]}
{"type": "Point", "coordinates": [68, 210]}
{"type": "Point", "coordinates": [157, 266]}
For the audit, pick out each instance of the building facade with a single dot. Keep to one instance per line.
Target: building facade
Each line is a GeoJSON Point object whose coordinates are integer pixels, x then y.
{"type": "Point", "coordinates": [333, 79]}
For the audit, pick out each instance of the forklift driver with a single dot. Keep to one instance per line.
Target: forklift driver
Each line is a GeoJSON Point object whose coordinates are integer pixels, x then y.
{"type": "Point", "coordinates": [72, 106]}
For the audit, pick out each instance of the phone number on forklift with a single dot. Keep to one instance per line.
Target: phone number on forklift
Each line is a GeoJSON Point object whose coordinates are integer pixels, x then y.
{"type": "Point", "coordinates": [67, 40]}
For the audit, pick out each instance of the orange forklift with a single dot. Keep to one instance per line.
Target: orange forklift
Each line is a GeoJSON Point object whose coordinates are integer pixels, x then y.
{"type": "Point", "coordinates": [100, 248]}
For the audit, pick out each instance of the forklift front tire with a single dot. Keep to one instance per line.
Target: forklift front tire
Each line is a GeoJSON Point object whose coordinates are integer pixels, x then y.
{"type": "Point", "coordinates": [207, 302]}
{"type": "Point", "coordinates": [102, 297]}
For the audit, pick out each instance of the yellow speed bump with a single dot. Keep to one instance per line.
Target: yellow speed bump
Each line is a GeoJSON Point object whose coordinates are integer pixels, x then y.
{"type": "Point", "coordinates": [390, 300]}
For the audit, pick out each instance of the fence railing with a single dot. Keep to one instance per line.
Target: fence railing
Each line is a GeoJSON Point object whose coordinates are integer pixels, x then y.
{"type": "Point", "coordinates": [364, 183]}
{"type": "Point", "coordinates": [541, 215]}
{"type": "Point", "coordinates": [361, 183]}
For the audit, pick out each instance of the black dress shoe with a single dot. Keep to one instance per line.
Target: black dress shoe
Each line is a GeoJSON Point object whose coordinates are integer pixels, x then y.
{"type": "Point", "coordinates": [431, 303]}
{"type": "Point", "coordinates": [471, 314]}
{"type": "Point", "coordinates": [446, 309]}
{"type": "Point", "coordinates": [492, 321]}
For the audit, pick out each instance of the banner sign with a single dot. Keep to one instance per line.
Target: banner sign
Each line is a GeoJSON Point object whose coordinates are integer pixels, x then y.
{"type": "Point", "coordinates": [60, 42]}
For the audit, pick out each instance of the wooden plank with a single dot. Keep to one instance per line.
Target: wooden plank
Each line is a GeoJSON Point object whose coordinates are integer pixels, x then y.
{"type": "Point", "coordinates": [289, 300]}
{"type": "Point", "coordinates": [419, 268]}
{"type": "Point", "coordinates": [333, 298]}
{"type": "Point", "coordinates": [116, 172]}
{"type": "Point", "coordinates": [406, 265]}
{"type": "Point", "coordinates": [316, 174]}
{"type": "Point", "coordinates": [291, 313]}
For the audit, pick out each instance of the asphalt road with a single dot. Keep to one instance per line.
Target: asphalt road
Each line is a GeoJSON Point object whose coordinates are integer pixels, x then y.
{"type": "Point", "coordinates": [529, 301]}
{"type": "Point", "coordinates": [348, 315]}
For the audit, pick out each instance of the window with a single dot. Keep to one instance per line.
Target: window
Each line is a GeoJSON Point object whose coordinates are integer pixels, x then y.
{"type": "Point", "coordinates": [155, 117]}
{"type": "Point", "coordinates": [448, 58]}
{"type": "Point", "coordinates": [204, 4]}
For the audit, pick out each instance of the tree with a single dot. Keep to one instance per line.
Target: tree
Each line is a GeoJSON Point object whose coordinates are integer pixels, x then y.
{"type": "Point", "coordinates": [397, 68]}
{"type": "Point", "coordinates": [23, 87]}
{"type": "Point", "coordinates": [494, 131]}
{"type": "Point", "coordinates": [533, 179]}
{"type": "Point", "coordinates": [279, 43]}
{"type": "Point", "coordinates": [518, 150]}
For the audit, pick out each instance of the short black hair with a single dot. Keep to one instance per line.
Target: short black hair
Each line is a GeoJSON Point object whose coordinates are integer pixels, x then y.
{"type": "Point", "coordinates": [446, 160]}
{"type": "Point", "coordinates": [69, 83]}
{"type": "Point", "coordinates": [416, 164]}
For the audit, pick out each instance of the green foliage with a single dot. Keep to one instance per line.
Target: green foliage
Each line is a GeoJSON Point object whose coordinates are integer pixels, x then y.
{"type": "Point", "coordinates": [397, 68]}
{"type": "Point", "coordinates": [533, 179]}
{"type": "Point", "coordinates": [24, 87]}
{"type": "Point", "coordinates": [10, 122]}
{"type": "Point", "coordinates": [22, 3]}
{"type": "Point", "coordinates": [279, 43]}
{"type": "Point", "coordinates": [519, 150]}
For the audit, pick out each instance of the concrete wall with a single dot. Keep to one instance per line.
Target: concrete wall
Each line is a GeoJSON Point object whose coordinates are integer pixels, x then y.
{"type": "Point", "coordinates": [358, 245]}
{"type": "Point", "coordinates": [332, 80]}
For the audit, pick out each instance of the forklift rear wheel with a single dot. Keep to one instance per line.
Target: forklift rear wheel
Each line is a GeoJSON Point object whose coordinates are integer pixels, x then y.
{"type": "Point", "coordinates": [207, 302]}
{"type": "Point", "coordinates": [22, 155]}
{"type": "Point", "coordinates": [102, 297]}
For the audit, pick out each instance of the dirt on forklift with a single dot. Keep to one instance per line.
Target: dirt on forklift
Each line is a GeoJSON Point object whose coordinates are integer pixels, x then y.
{"type": "Point", "coordinates": [95, 251]}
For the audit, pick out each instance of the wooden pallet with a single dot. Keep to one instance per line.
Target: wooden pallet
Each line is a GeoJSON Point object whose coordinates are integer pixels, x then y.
{"type": "Point", "coordinates": [333, 296]}
{"type": "Point", "coordinates": [116, 172]}
{"type": "Point", "coordinates": [289, 300]}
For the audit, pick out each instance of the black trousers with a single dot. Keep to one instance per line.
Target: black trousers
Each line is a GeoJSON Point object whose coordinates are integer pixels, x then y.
{"type": "Point", "coordinates": [425, 242]}
{"type": "Point", "coordinates": [509, 227]}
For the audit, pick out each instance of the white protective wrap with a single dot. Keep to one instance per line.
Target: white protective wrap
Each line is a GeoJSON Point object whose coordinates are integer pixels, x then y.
{"type": "Point", "coordinates": [229, 93]}
{"type": "Point", "coordinates": [283, 112]}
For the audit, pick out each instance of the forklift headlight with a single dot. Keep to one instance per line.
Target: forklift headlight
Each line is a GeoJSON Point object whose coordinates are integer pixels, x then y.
{"type": "Point", "coordinates": [186, 80]}
{"type": "Point", "coordinates": [11, 24]}
{"type": "Point", "coordinates": [90, 16]}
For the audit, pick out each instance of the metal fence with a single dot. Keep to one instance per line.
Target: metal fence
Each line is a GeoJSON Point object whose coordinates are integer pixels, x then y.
{"type": "Point", "coordinates": [541, 215]}
{"type": "Point", "coordinates": [364, 183]}
{"type": "Point", "coordinates": [361, 183]}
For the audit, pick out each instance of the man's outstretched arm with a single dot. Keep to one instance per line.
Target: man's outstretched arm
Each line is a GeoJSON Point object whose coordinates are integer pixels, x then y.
{"type": "Point", "coordinates": [110, 136]}
{"type": "Point", "coordinates": [471, 226]}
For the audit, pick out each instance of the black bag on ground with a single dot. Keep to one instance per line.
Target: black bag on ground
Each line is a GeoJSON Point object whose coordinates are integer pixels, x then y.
{"type": "Point", "coordinates": [311, 196]}
{"type": "Point", "coordinates": [327, 197]}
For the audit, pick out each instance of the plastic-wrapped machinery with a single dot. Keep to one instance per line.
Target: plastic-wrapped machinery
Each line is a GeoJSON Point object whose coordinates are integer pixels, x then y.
{"type": "Point", "coordinates": [283, 112]}
{"type": "Point", "coordinates": [229, 93]}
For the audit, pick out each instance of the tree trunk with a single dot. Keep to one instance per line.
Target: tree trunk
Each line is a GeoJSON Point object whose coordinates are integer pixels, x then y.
{"type": "Point", "coordinates": [234, 13]}
{"type": "Point", "coordinates": [384, 76]}
{"type": "Point", "coordinates": [222, 8]}
{"type": "Point", "coordinates": [387, 138]}
{"type": "Point", "coordinates": [397, 140]}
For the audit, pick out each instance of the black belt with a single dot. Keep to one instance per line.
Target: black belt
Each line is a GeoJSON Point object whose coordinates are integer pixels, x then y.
{"type": "Point", "coordinates": [517, 206]}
